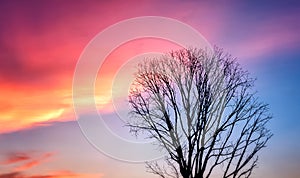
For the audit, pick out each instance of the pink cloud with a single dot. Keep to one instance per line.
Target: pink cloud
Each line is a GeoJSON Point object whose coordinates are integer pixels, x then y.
{"type": "Point", "coordinates": [25, 160]}
{"type": "Point", "coordinates": [42, 41]}
{"type": "Point", "coordinates": [34, 162]}
{"type": "Point", "coordinates": [22, 162]}
{"type": "Point", "coordinates": [58, 174]}
{"type": "Point", "coordinates": [15, 158]}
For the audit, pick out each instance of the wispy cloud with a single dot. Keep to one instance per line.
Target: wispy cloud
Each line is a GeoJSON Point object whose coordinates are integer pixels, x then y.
{"type": "Point", "coordinates": [34, 162]}
{"type": "Point", "coordinates": [15, 158]}
{"type": "Point", "coordinates": [25, 160]}
{"type": "Point", "coordinates": [58, 174]}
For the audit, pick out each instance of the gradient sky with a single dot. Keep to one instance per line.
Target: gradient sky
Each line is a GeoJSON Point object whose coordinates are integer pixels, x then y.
{"type": "Point", "coordinates": [41, 42]}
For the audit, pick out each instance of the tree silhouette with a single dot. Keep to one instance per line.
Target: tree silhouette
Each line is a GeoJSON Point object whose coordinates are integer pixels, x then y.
{"type": "Point", "coordinates": [200, 107]}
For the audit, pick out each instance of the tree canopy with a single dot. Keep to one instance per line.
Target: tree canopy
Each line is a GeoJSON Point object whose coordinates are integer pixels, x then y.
{"type": "Point", "coordinates": [201, 108]}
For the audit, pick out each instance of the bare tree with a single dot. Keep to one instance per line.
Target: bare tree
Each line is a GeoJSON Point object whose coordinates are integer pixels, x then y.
{"type": "Point", "coordinates": [200, 107]}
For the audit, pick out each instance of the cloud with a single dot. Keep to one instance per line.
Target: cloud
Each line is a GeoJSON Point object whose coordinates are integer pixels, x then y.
{"type": "Point", "coordinates": [34, 162]}
{"type": "Point", "coordinates": [11, 175]}
{"type": "Point", "coordinates": [25, 160]}
{"type": "Point", "coordinates": [22, 107]}
{"type": "Point", "coordinates": [15, 158]}
{"type": "Point", "coordinates": [40, 44]}
{"type": "Point", "coordinates": [58, 174]}
{"type": "Point", "coordinates": [39, 48]}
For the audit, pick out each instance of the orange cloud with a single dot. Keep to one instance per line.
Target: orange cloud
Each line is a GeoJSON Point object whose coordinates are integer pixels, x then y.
{"type": "Point", "coordinates": [35, 79]}
{"type": "Point", "coordinates": [21, 107]}
{"type": "Point", "coordinates": [38, 57]}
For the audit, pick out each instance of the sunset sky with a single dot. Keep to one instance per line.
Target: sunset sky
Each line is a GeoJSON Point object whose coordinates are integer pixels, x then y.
{"type": "Point", "coordinates": [42, 41]}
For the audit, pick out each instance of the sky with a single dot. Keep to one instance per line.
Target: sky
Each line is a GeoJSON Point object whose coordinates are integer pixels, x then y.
{"type": "Point", "coordinates": [42, 41]}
